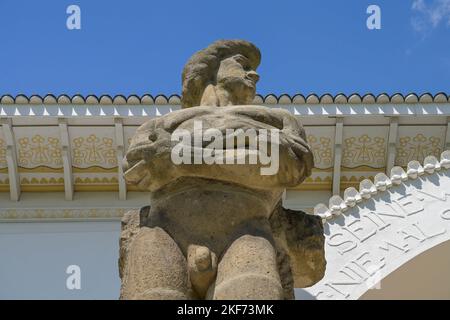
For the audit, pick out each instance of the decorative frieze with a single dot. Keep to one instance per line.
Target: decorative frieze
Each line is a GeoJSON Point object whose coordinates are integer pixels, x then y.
{"type": "Point", "coordinates": [13, 214]}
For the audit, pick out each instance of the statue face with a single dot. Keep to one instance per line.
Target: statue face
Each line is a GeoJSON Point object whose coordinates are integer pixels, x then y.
{"type": "Point", "coordinates": [237, 77]}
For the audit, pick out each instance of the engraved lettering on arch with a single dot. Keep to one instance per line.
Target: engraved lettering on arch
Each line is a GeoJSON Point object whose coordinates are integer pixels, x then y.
{"type": "Point", "coordinates": [445, 214]}
{"type": "Point", "coordinates": [409, 204]}
{"type": "Point", "coordinates": [427, 235]}
{"type": "Point", "coordinates": [408, 234]}
{"type": "Point", "coordinates": [366, 262]}
{"type": "Point", "coordinates": [338, 240]}
{"type": "Point", "coordinates": [356, 272]}
{"type": "Point", "coordinates": [332, 286]}
{"type": "Point", "coordinates": [416, 231]}
{"type": "Point", "coordinates": [377, 220]}
{"type": "Point", "coordinates": [435, 195]}
{"type": "Point", "coordinates": [404, 206]}
{"type": "Point", "coordinates": [360, 231]}
{"type": "Point", "coordinates": [329, 294]}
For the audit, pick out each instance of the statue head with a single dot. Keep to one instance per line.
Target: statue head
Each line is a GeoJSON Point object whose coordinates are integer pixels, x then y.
{"type": "Point", "coordinates": [221, 74]}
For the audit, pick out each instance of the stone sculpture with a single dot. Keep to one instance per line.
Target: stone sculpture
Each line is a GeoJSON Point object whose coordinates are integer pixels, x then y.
{"type": "Point", "coordinates": [218, 230]}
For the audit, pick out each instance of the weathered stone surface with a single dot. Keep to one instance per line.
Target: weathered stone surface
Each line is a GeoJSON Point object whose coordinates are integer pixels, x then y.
{"type": "Point", "coordinates": [155, 268]}
{"type": "Point", "coordinates": [222, 74]}
{"type": "Point", "coordinates": [248, 270]}
{"type": "Point", "coordinates": [207, 233]}
{"type": "Point", "coordinates": [148, 160]}
{"type": "Point", "coordinates": [300, 241]}
{"type": "Point", "coordinates": [202, 265]}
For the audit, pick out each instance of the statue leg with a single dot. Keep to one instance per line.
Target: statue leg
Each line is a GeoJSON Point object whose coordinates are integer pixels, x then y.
{"type": "Point", "coordinates": [155, 267]}
{"type": "Point", "coordinates": [248, 270]}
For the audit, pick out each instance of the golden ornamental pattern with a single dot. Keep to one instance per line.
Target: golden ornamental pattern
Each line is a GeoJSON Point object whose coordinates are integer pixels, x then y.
{"type": "Point", "coordinates": [322, 151]}
{"type": "Point", "coordinates": [96, 180]}
{"type": "Point", "coordinates": [39, 150]}
{"type": "Point", "coordinates": [417, 148]}
{"type": "Point", "coordinates": [93, 150]}
{"type": "Point", "coordinates": [364, 150]}
{"type": "Point", "coordinates": [2, 153]}
{"type": "Point", "coordinates": [62, 213]}
{"type": "Point", "coordinates": [42, 181]}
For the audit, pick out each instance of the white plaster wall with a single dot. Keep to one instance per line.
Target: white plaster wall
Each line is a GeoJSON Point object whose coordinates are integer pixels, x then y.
{"type": "Point", "coordinates": [34, 258]}
{"type": "Point", "coordinates": [305, 200]}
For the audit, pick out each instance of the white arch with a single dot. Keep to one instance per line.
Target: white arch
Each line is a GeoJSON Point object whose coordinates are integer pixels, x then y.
{"type": "Point", "coordinates": [424, 277]}
{"type": "Point", "coordinates": [371, 233]}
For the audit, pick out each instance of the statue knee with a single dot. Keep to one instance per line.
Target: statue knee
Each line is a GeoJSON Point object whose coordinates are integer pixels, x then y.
{"type": "Point", "coordinates": [248, 270]}
{"type": "Point", "coordinates": [160, 294]}
{"type": "Point", "coordinates": [155, 267]}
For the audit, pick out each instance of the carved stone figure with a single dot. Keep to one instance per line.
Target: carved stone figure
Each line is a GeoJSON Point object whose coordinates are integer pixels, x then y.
{"type": "Point", "coordinates": [218, 230]}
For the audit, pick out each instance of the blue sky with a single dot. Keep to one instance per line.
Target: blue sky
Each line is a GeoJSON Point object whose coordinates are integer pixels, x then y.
{"type": "Point", "coordinates": [310, 46]}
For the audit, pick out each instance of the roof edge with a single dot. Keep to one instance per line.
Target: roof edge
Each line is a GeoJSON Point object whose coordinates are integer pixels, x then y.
{"type": "Point", "coordinates": [283, 99]}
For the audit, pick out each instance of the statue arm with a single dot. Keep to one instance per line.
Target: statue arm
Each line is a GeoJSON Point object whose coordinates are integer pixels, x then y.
{"type": "Point", "coordinates": [295, 136]}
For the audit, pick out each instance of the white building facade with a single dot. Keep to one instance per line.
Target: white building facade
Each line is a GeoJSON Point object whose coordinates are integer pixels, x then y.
{"type": "Point", "coordinates": [62, 192]}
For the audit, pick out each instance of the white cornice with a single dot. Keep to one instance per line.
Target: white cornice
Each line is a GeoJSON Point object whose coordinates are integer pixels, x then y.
{"type": "Point", "coordinates": [125, 111]}
{"type": "Point", "coordinates": [52, 207]}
